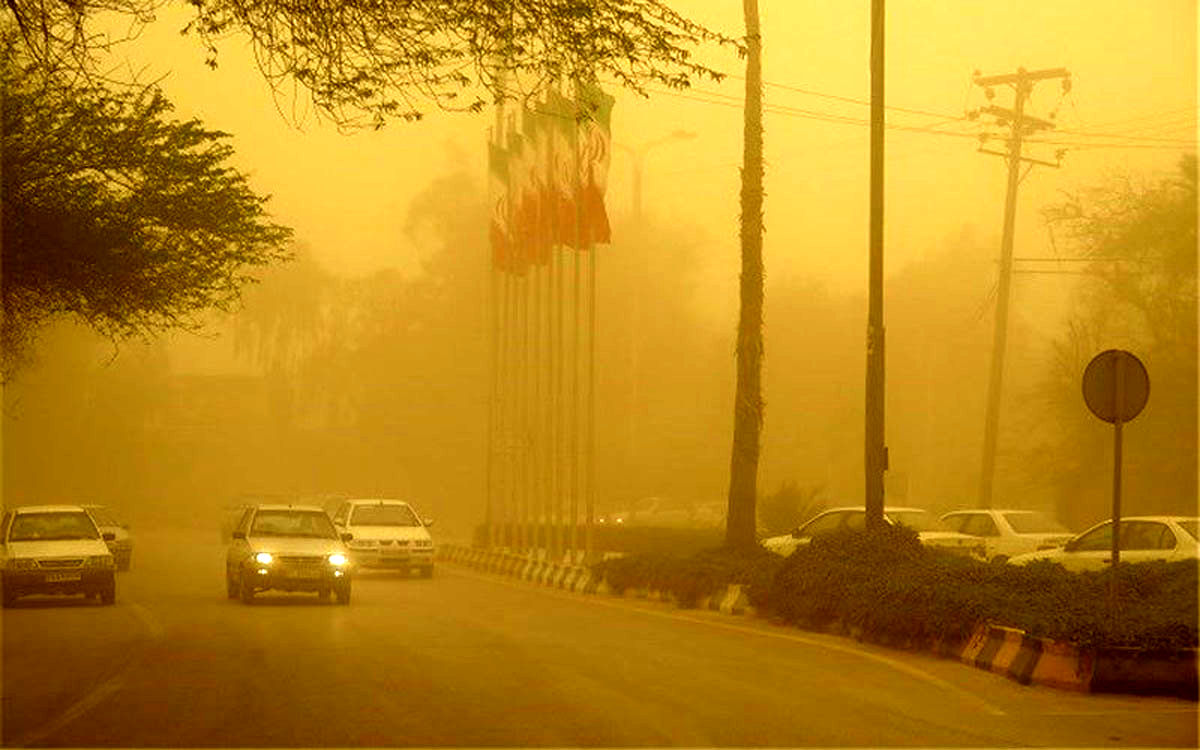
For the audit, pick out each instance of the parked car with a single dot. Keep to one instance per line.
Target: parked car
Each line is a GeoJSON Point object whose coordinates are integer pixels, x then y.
{"type": "Point", "coordinates": [1006, 532]}
{"type": "Point", "coordinates": [55, 549]}
{"type": "Point", "coordinates": [121, 545]}
{"type": "Point", "coordinates": [664, 512]}
{"type": "Point", "coordinates": [1143, 539]}
{"type": "Point", "coordinates": [930, 531]}
{"type": "Point", "coordinates": [287, 548]}
{"type": "Point", "coordinates": [387, 534]}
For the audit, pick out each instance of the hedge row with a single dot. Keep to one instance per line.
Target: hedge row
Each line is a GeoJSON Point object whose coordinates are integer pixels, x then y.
{"type": "Point", "coordinates": [886, 585]}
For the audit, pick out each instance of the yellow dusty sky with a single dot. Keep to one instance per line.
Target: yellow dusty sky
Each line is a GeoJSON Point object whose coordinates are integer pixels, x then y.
{"type": "Point", "coordinates": [1133, 65]}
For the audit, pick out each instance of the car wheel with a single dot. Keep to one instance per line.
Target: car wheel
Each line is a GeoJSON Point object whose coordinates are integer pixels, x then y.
{"type": "Point", "coordinates": [246, 589]}
{"type": "Point", "coordinates": [343, 594]}
{"type": "Point", "coordinates": [124, 563]}
{"type": "Point", "coordinates": [427, 572]}
{"type": "Point", "coordinates": [323, 595]}
{"type": "Point", "coordinates": [231, 587]}
{"type": "Point", "coordinates": [108, 594]}
{"type": "Point", "coordinates": [9, 598]}
{"type": "Point", "coordinates": [1000, 560]}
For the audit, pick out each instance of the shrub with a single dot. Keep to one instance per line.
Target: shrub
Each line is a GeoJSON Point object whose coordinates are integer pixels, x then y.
{"type": "Point", "coordinates": [884, 584]}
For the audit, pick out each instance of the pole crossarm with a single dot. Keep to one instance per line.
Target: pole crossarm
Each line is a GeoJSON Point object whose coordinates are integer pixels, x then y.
{"type": "Point", "coordinates": [1056, 165]}
{"type": "Point", "coordinates": [1022, 76]}
{"type": "Point", "coordinates": [1006, 116]}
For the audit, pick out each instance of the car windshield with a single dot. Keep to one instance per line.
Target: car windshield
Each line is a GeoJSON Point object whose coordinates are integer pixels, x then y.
{"type": "Point", "coordinates": [103, 517]}
{"type": "Point", "coordinates": [1035, 523]}
{"type": "Point", "coordinates": [293, 523]}
{"type": "Point", "coordinates": [917, 520]}
{"type": "Point", "coordinates": [384, 515]}
{"type": "Point", "coordinates": [52, 525]}
{"type": "Point", "coordinates": [1190, 527]}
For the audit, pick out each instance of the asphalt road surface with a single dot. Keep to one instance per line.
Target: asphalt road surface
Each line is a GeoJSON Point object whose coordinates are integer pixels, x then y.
{"type": "Point", "coordinates": [467, 659]}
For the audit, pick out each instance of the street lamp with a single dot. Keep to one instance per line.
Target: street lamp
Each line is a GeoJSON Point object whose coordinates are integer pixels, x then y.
{"type": "Point", "coordinates": [638, 153]}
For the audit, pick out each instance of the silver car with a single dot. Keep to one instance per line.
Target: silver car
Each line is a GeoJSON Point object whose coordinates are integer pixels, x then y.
{"type": "Point", "coordinates": [286, 548]}
{"type": "Point", "coordinates": [121, 545]}
{"type": "Point", "coordinates": [930, 530]}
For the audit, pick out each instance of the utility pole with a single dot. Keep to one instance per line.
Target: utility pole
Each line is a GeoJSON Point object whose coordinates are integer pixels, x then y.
{"type": "Point", "coordinates": [1021, 125]}
{"type": "Point", "coordinates": [876, 451]}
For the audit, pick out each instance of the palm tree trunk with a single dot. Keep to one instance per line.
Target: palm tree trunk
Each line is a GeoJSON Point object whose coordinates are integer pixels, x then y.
{"type": "Point", "coordinates": [748, 405]}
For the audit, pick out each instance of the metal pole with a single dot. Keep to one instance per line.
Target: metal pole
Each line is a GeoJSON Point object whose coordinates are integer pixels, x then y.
{"type": "Point", "coordinates": [590, 446]}
{"type": "Point", "coordinates": [1118, 411]}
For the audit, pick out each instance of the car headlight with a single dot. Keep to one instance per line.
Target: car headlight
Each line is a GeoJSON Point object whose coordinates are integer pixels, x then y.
{"type": "Point", "coordinates": [337, 558]}
{"type": "Point", "coordinates": [99, 561]}
{"type": "Point", "coordinates": [263, 558]}
{"type": "Point", "coordinates": [22, 563]}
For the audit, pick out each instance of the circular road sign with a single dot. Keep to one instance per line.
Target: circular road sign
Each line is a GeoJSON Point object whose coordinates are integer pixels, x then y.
{"type": "Point", "coordinates": [1111, 396]}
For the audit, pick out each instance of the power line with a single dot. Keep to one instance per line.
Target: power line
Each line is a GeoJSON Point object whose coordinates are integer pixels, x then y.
{"type": "Point", "coordinates": [735, 102]}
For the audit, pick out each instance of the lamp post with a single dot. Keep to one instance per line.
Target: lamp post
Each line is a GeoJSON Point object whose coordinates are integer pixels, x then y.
{"type": "Point", "coordinates": [638, 154]}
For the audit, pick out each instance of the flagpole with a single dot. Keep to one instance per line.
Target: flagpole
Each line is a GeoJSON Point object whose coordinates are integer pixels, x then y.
{"type": "Point", "coordinates": [507, 411]}
{"type": "Point", "coordinates": [590, 451]}
{"type": "Point", "coordinates": [559, 432]}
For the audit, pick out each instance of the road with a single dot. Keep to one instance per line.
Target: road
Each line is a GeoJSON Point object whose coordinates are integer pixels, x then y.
{"type": "Point", "coordinates": [467, 659]}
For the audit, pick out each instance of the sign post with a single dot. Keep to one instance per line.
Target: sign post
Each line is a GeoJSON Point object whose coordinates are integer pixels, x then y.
{"type": "Point", "coordinates": [1115, 389]}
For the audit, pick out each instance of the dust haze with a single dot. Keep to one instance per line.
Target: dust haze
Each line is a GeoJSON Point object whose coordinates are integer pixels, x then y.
{"type": "Point", "coordinates": [364, 366]}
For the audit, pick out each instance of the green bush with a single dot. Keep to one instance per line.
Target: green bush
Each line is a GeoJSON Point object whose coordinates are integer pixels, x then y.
{"type": "Point", "coordinates": [891, 588]}
{"type": "Point", "coordinates": [886, 586]}
{"type": "Point", "coordinates": [690, 579]}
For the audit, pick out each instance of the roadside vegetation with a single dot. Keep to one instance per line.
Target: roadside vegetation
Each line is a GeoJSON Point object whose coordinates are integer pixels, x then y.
{"type": "Point", "coordinates": [884, 586]}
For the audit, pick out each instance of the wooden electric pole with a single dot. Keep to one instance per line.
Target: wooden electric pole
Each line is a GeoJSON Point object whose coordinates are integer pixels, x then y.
{"type": "Point", "coordinates": [1021, 125]}
{"type": "Point", "coordinates": [875, 448]}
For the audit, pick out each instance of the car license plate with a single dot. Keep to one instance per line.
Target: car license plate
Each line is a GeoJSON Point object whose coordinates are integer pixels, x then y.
{"type": "Point", "coordinates": [305, 574]}
{"type": "Point", "coordinates": [55, 577]}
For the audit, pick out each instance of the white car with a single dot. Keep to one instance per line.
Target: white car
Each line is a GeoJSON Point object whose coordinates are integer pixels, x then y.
{"type": "Point", "coordinates": [55, 549]}
{"type": "Point", "coordinates": [1006, 532]}
{"type": "Point", "coordinates": [929, 530]}
{"type": "Point", "coordinates": [386, 534]}
{"type": "Point", "coordinates": [1143, 539]}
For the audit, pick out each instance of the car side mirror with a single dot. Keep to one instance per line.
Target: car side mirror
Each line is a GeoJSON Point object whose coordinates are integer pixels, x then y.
{"type": "Point", "coordinates": [796, 533]}
{"type": "Point", "coordinates": [239, 535]}
{"type": "Point", "coordinates": [428, 521]}
{"type": "Point", "coordinates": [108, 536]}
{"type": "Point", "coordinates": [1071, 546]}
{"type": "Point", "coordinates": [347, 536]}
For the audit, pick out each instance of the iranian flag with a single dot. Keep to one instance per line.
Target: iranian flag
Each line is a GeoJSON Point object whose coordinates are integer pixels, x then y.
{"type": "Point", "coordinates": [560, 115]}
{"type": "Point", "coordinates": [500, 227]}
{"type": "Point", "coordinates": [536, 201]}
{"type": "Point", "coordinates": [521, 228]}
{"type": "Point", "coordinates": [594, 156]}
